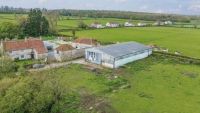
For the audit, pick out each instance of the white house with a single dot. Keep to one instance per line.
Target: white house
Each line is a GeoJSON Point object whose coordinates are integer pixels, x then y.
{"type": "Point", "coordinates": [128, 24]}
{"type": "Point", "coordinates": [116, 55]}
{"type": "Point", "coordinates": [168, 23]}
{"type": "Point", "coordinates": [25, 49]}
{"type": "Point", "coordinates": [142, 24]}
{"type": "Point", "coordinates": [83, 43]}
{"type": "Point", "coordinates": [112, 24]}
{"type": "Point", "coordinates": [96, 25]}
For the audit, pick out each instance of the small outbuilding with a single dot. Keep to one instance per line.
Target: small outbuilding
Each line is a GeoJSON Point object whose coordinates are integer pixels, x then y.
{"type": "Point", "coordinates": [83, 43]}
{"type": "Point", "coordinates": [116, 55]}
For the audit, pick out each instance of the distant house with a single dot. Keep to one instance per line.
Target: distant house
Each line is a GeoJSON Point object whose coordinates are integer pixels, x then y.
{"type": "Point", "coordinates": [112, 24]}
{"type": "Point", "coordinates": [82, 43]}
{"type": "Point", "coordinates": [96, 25]}
{"type": "Point", "coordinates": [168, 23]}
{"type": "Point", "coordinates": [25, 49]}
{"type": "Point", "coordinates": [141, 24]}
{"type": "Point", "coordinates": [128, 24]}
{"type": "Point", "coordinates": [116, 55]}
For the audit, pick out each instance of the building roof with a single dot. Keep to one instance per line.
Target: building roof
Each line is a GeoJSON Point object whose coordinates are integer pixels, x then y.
{"type": "Point", "coordinates": [64, 47]}
{"type": "Point", "coordinates": [87, 41]}
{"type": "Point", "coordinates": [121, 49]}
{"type": "Point", "coordinates": [15, 45]}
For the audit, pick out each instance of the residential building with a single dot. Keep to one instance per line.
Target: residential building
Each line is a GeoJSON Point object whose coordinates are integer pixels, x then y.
{"type": "Point", "coordinates": [96, 25]}
{"type": "Point", "coordinates": [168, 23]}
{"type": "Point", "coordinates": [116, 55]}
{"type": "Point", "coordinates": [112, 24]}
{"type": "Point", "coordinates": [142, 24]}
{"type": "Point", "coordinates": [31, 48]}
{"type": "Point", "coordinates": [128, 24]}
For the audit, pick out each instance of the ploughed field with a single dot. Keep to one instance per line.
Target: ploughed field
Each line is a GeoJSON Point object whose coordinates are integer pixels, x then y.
{"type": "Point", "coordinates": [183, 40]}
{"type": "Point", "coordinates": [152, 85]}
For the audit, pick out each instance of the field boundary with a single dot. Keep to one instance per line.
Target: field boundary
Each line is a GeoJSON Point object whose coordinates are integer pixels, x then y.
{"type": "Point", "coordinates": [187, 59]}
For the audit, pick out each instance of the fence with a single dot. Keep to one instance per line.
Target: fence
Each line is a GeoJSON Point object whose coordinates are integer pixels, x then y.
{"type": "Point", "coordinates": [183, 58]}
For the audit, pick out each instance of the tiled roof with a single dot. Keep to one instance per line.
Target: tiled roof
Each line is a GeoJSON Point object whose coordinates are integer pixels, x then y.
{"type": "Point", "coordinates": [36, 44]}
{"type": "Point", "coordinates": [64, 47]}
{"type": "Point", "coordinates": [87, 41]}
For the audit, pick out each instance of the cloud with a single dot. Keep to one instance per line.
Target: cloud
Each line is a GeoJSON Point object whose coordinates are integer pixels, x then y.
{"type": "Point", "coordinates": [194, 7]}
{"type": "Point", "coordinates": [118, 1]}
{"type": "Point", "coordinates": [43, 1]}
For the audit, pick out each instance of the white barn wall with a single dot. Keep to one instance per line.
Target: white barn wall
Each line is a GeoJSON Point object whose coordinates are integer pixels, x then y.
{"type": "Point", "coordinates": [122, 62]}
{"type": "Point", "coordinates": [108, 61]}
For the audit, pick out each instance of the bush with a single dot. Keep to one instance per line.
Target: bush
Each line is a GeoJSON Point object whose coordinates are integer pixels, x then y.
{"type": "Point", "coordinates": [82, 25]}
{"type": "Point", "coordinates": [7, 66]}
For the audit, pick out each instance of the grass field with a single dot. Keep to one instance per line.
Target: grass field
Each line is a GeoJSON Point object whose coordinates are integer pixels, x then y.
{"type": "Point", "coordinates": [157, 85]}
{"type": "Point", "coordinates": [183, 40]}
{"type": "Point", "coordinates": [73, 22]}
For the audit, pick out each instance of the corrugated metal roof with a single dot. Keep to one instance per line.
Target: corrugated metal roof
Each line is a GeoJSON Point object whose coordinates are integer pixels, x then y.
{"type": "Point", "coordinates": [121, 49]}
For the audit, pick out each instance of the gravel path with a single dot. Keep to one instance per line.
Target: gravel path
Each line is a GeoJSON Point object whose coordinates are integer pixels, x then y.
{"type": "Point", "coordinates": [57, 65]}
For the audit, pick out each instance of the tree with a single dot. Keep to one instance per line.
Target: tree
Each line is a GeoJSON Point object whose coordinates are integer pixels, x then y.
{"type": "Point", "coordinates": [9, 30]}
{"type": "Point", "coordinates": [36, 24]}
{"type": "Point", "coordinates": [44, 26]}
{"type": "Point", "coordinates": [52, 17]}
{"type": "Point", "coordinates": [82, 25]}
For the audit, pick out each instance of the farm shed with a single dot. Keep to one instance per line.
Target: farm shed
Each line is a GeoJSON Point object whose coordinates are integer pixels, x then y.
{"type": "Point", "coordinates": [83, 43]}
{"type": "Point", "coordinates": [67, 52]}
{"type": "Point", "coordinates": [116, 55]}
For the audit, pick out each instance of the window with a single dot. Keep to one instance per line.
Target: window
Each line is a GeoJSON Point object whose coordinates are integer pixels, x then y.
{"type": "Point", "coordinates": [22, 56]}
{"type": "Point", "coordinates": [92, 55]}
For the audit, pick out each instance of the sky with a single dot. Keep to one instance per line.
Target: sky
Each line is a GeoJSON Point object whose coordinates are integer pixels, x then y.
{"type": "Point", "coordinates": [186, 7]}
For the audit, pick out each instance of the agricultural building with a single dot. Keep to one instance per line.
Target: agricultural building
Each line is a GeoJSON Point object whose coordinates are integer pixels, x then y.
{"type": "Point", "coordinates": [116, 55]}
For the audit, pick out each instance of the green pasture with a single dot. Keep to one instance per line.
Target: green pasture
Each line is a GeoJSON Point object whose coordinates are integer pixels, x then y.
{"type": "Point", "coordinates": [184, 40]}
{"type": "Point", "coordinates": [73, 22]}
{"type": "Point", "coordinates": [156, 85]}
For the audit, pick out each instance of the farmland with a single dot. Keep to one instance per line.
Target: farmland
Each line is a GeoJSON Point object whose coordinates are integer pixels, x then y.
{"type": "Point", "coordinates": [156, 85]}
{"type": "Point", "coordinates": [151, 85]}
{"type": "Point", "coordinates": [183, 40]}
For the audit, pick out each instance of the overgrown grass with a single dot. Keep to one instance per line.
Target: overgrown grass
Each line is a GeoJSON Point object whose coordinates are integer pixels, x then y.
{"type": "Point", "coordinates": [156, 85]}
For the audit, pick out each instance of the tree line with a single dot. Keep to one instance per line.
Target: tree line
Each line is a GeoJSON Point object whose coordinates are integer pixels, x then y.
{"type": "Point", "coordinates": [127, 15]}
{"type": "Point", "coordinates": [109, 14]}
